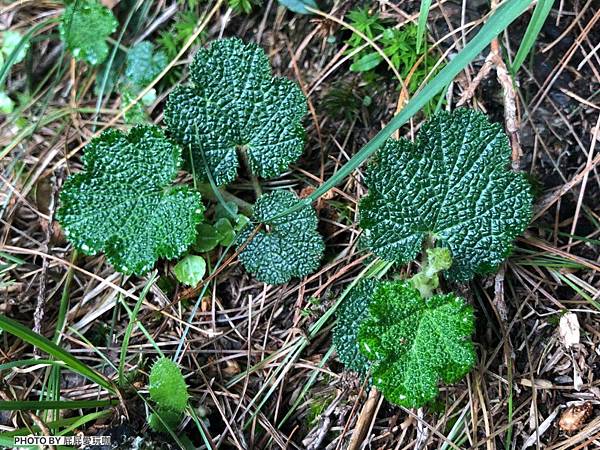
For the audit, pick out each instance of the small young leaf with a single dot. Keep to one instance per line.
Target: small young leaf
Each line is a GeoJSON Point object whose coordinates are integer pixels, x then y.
{"type": "Point", "coordinates": [299, 6]}
{"type": "Point", "coordinates": [167, 386]}
{"type": "Point", "coordinates": [144, 64]}
{"type": "Point", "coordinates": [285, 247]}
{"type": "Point", "coordinates": [84, 28]}
{"type": "Point", "coordinates": [415, 342]}
{"type": "Point", "coordinates": [123, 203]}
{"type": "Point", "coordinates": [11, 40]}
{"type": "Point", "coordinates": [6, 104]}
{"type": "Point", "coordinates": [208, 238]}
{"type": "Point", "coordinates": [353, 310]}
{"type": "Point", "coordinates": [190, 270]}
{"type": "Point", "coordinates": [234, 105]}
{"type": "Point", "coordinates": [453, 186]}
{"type": "Point", "coordinates": [366, 62]}
{"type": "Point", "coordinates": [225, 232]}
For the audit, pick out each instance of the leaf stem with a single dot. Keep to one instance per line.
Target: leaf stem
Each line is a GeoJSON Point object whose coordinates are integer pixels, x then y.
{"type": "Point", "coordinates": [253, 179]}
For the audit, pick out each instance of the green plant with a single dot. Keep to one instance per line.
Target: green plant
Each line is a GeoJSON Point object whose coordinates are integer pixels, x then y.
{"type": "Point", "coordinates": [285, 247]}
{"type": "Point", "coordinates": [84, 28]}
{"type": "Point", "coordinates": [168, 390]}
{"type": "Point", "coordinates": [413, 342]}
{"type": "Point", "coordinates": [144, 63]}
{"type": "Point", "coordinates": [351, 312]}
{"type": "Point", "coordinates": [451, 188]}
{"type": "Point", "coordinates": [234, 105]}
{"type": "Point", "coordinates": [12, 42]}
{"type": "Point", "coordinates": [400, 45]}
{"type": "Point", "coordinates": [123, 202]}
{"type": "Point", "coordinates": [451, 194]}
{"type": "Point", "coordinates": [190, 270]}
{"type": "Point", "coordinates": [182, 29]}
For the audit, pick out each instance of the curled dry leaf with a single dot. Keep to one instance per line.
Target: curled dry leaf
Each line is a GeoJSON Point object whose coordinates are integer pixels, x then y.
{"type": "Point", "coordinates": [575, 417]}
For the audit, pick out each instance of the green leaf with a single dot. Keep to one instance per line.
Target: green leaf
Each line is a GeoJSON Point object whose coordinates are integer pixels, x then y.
{"type": "Point", "coordinates": [353, 310]}
{"type": "Point", "coordinates": [84, 28]}
{"type": "Point", "coordinates": [190, 270]}
{"type": "Point", "coordinates": [144, 64]}
{"type": "Point", "coordinates": [11, 41]}
{"type": "Point", "coordinates": [170, 419]}
{"type": "Point", "coordinates": [299, 6]}
{"type": "Point", "coordinates": [6, 104]}
{"type": "Point", "coordinates": [123, 202]}
{"type": "Point", "coordinates": [167, 386]}
{"type": "Point", "coordinates": [234, 105]}
{"type": "Point", "coordinates": [367, 62]}
{"type": "Point", "coordinates": [423, 14]}
{"type": "Point", "coordinates": [414, 343]}
{"type": "Point", "coordinates": [284, 247]}
{"type": "Point", "coordinates": [225, 232]}
{"type": "Point", "coordinates": [451, 186]}
{"type": "Point", "coordinates": [540, 14]}
{"type": "Point", "coordinates": [208, 238]}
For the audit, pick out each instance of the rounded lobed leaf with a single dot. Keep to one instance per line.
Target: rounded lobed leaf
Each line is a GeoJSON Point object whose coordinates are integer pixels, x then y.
{"type": "Point", "coordinates": [353, 310]}
{"type": "Point", "coordinates": [123, 202]}
{"type": "Point", "coordinates": [167, 386]}
{"type": "Point", "coordinates": [234, 105]}
{"type": "Point", "coordinates": [414, 342]}
{"type": "Point", "coordinates": [84, 27]}
{"type": "Point", "coordinates": [452, 185]}
{"type": "Point", "coordinates": [284, 247]}
{"type": "Point", "coordinates": [144, 64]}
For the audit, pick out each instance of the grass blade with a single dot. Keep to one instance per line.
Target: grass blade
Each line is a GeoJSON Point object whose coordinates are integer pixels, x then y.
{"type": "Point", "coordinates": [15, 328]}
{"type": "Point", "coordinates": [423, 14]}
{"type": "Point", "coordinates": [539, 16]}
{"type": "Point", "coordinates": [32, 405]}
{"type": "Point", "coordinates": [131, 327]}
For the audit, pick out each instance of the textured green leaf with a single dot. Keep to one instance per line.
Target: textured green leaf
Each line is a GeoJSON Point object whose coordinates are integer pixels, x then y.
{"type": "Point", "coordinates": [414, 342]}
{"type": "Point", "coordinates": [144, 64]}
{"type": "Point", "coordinates": [234, 105]}
{"type": "Point", "coordinates": [453, 186]}
{"type": "Point", "coordinates": [84, 28]}
{"type": "Point", "coordinates": [167, 386]}
{"type": "Point", "coordinates": [170, 418]}
{"type": "Point", "coordinates": [123, 202]}
{"type": "Point", "coordinates": [353, 310]}
{"type": "Point", "coordinates": [190, 270]}
{"type": "Point", "coordinates": [285, 247]}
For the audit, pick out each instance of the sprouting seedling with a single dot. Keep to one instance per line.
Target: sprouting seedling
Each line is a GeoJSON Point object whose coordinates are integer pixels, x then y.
{"type": "Point", "coordinates": [452, 188]}
{"type": "Point", "coordinates": [234, 109]}
{"type": "Point", "coordinates": [168, 390]}
{"type": "Point", "coordinates": [285, 247]}
{"type": "Point", "coordinates": [84, 28]}
{"type": "Point", "coordinates": [123, 202]}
